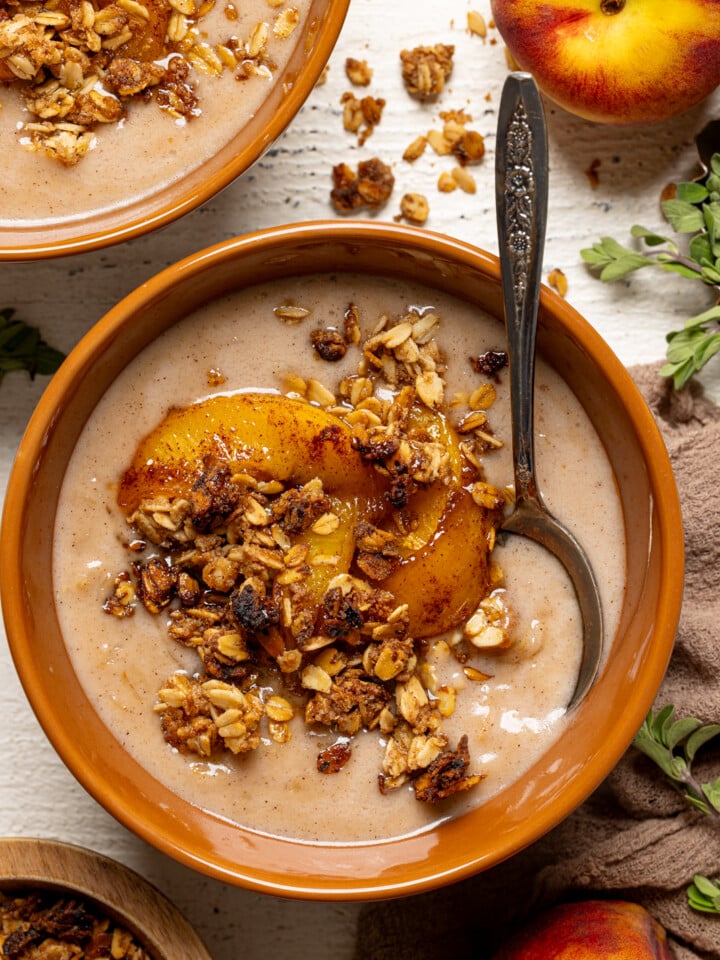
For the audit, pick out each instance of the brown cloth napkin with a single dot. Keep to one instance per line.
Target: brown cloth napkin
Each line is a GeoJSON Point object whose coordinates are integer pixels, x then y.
{"type": "Point", "coordinates": [635, 838]}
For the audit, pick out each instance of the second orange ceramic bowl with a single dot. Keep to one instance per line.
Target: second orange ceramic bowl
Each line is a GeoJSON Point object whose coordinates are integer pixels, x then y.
{"type": "Point", "coordinates": [173, 193]}
{"type": "Point", "coordinates": [599, 731]}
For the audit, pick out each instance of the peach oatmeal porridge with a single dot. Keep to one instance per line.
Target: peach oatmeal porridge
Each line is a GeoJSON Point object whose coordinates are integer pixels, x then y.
{"type": "Point", "coordinates": [284, 587]}
{"type": "Point", "coordinates": [105, 101]}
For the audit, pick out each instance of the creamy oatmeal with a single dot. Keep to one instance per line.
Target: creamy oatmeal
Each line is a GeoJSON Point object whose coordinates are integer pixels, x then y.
{"type": "Point", "coordinates": [102, 103]}
{"type": "Point", "coordinates": [506, 696]}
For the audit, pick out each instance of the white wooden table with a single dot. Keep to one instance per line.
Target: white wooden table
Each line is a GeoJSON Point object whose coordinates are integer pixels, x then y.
{"type": "Point", "coordinates": [38, 796]}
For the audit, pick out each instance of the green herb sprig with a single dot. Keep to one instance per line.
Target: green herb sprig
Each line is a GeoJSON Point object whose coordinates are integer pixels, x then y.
{"type": "Point", "coordinates": [695, 211]}
{"type": "Point", "coordinates": [22, 348]}
{"type": "Point", "coordinates": [673, 744]}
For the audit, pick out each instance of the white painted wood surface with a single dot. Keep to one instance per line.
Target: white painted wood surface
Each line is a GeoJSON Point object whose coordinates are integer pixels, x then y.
{"type": "Point", "coordinates": [38, 797]}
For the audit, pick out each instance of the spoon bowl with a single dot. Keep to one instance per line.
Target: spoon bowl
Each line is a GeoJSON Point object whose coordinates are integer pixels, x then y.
{"type": "Point", "coordinates": [521, 188]}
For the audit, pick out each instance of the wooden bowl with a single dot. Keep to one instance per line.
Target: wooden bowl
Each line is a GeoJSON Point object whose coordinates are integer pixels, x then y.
{"type": "Point", "coordinates": [29, 864]}
{"type": "Point", "coordinates": [600, 730]}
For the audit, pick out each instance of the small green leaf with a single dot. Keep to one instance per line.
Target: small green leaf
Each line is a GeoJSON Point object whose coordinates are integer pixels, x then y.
{"type": "Point", "coordinates": [22, 348]}
{"type": "Point", "coordinates": [614, 249]}
{"type": "Point", "coordinates": [621, 267]}
{"type": "Point", "coordinates": [704, 895]}
{"type": "Point", "coordinates": [684, 269]}
{"type": "Point", "coordinates": [651, 238]}
{"type": "Point", "coordinates": [595, 256]}
{"type": "Point", "coordinates": [706, 351]}
{"type": "Point", "coordinates": [692, 192]}
{"type": "Point", "coordinates": [681, 372]}
{"type": "Point", "coordinates": [711, 275]}
{"type": "Point", "coordinates": [712, 793]}
{"type": "Point", "coordinates": [707, 316]}
{"type": "Point", "coordinates": [680, 730]}
{"type": "Point", "coordinates": [705, 886]}
{"type": "Point", "coordinates": [697, 802]}
{"type": "Point", "coordinates": [683, 217]}
{"type": "Point", "coordinates": [700, 248]}
{"type": "Point", "coordinates": [657, 753]}
{"type": "Point", "coordinates": [662, 722]}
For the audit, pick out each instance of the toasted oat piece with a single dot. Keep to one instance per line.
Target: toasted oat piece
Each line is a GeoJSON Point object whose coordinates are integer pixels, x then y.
{"type": "Point", "coordinates": [358, 72]}
{"type": "Point", "coordinates": [476, 24]}
{"type": "Point", "coordinates": [425, 69]}
{"type": "Point", "coordinates": [558, 281]}
{"type": "Point", "coordinates": [415, 208]}
{"type": "Point", "coordinates": [415, 149]}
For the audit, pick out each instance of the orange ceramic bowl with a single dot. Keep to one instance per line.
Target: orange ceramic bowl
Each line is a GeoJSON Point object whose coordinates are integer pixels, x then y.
{"type": "Point", "coordinates": [601, 728]}
{"type": "Point", "coordinates": [169, 197]}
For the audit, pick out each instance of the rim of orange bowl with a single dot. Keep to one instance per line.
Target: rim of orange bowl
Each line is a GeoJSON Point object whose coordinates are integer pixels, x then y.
{"type": "Point", "coordinates": [666, 510]}
{"type": "Point", "coordinates": [160, 213]}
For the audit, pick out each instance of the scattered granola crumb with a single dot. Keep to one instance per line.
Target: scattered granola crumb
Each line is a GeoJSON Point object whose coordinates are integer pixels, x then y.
{"type": "Point", "coordinates": [370, 187]}
{"type": "Point", "coordinates": [489, 363]}
{"type": "Point", "coordinates": [446, 183]}
{"type": "Point", "coordinates": [558, 281]}
{"type": "Point", "coordinates": [455, 138]}
{"type": "Point", "coordinates": [358, 72]}
{"type": "Point", "coordinates": [425, 69]}
{"type": "Point", "coordinates": [332, 759]}
{"type": "Point", "coordinates": [414, 208]}
{"type": "Point", "coordinates": [329, 344]}
{"type": "Point", "coordinates": [361, 116]}
{"type": "Point", "coordinates": [476, 24]}
{"type": "Point", "coordinates": [592, 173]}
{"type": "Point", "coordinates": [463, 179]}
{"type": "Point", "coordinates": [415, 149]}
{"type": "Point", "coordinates": [323, 76]}
{"type": "Point", "coordinates": [215, 378]}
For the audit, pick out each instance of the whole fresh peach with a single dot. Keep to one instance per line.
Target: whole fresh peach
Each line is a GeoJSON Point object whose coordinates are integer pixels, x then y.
{"type": "Point", "coordinates": [616, 61]}
{"type": "Point", "coordinates": [590, 930]}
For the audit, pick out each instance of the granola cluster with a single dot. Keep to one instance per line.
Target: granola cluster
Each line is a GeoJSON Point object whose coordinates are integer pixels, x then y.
{"type": "Point", "coordinates": [370, 186]}
{"type": "Point", "coordinates": [425, 70]}
{"type": "Point", "coordinates": [44, 926]}
{"type": "Point", "coordinates": [248, 571]}
{"type": "Point", "coordinates": [78, 63]}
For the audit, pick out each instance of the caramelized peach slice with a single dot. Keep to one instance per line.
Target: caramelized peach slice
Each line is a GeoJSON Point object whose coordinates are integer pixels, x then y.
{"type": "Point", "coordinates": [443, 582]}
{"type": "Point", "coordinates": [267, 436]}
{"type": "Point", "coordinates": [428, 505]}
{"type": "Point", "coordinates": [329, 553]}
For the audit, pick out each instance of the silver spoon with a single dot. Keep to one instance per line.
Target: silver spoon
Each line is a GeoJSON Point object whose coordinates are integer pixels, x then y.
{"type": "Point", "coordinates": [521, 187]}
